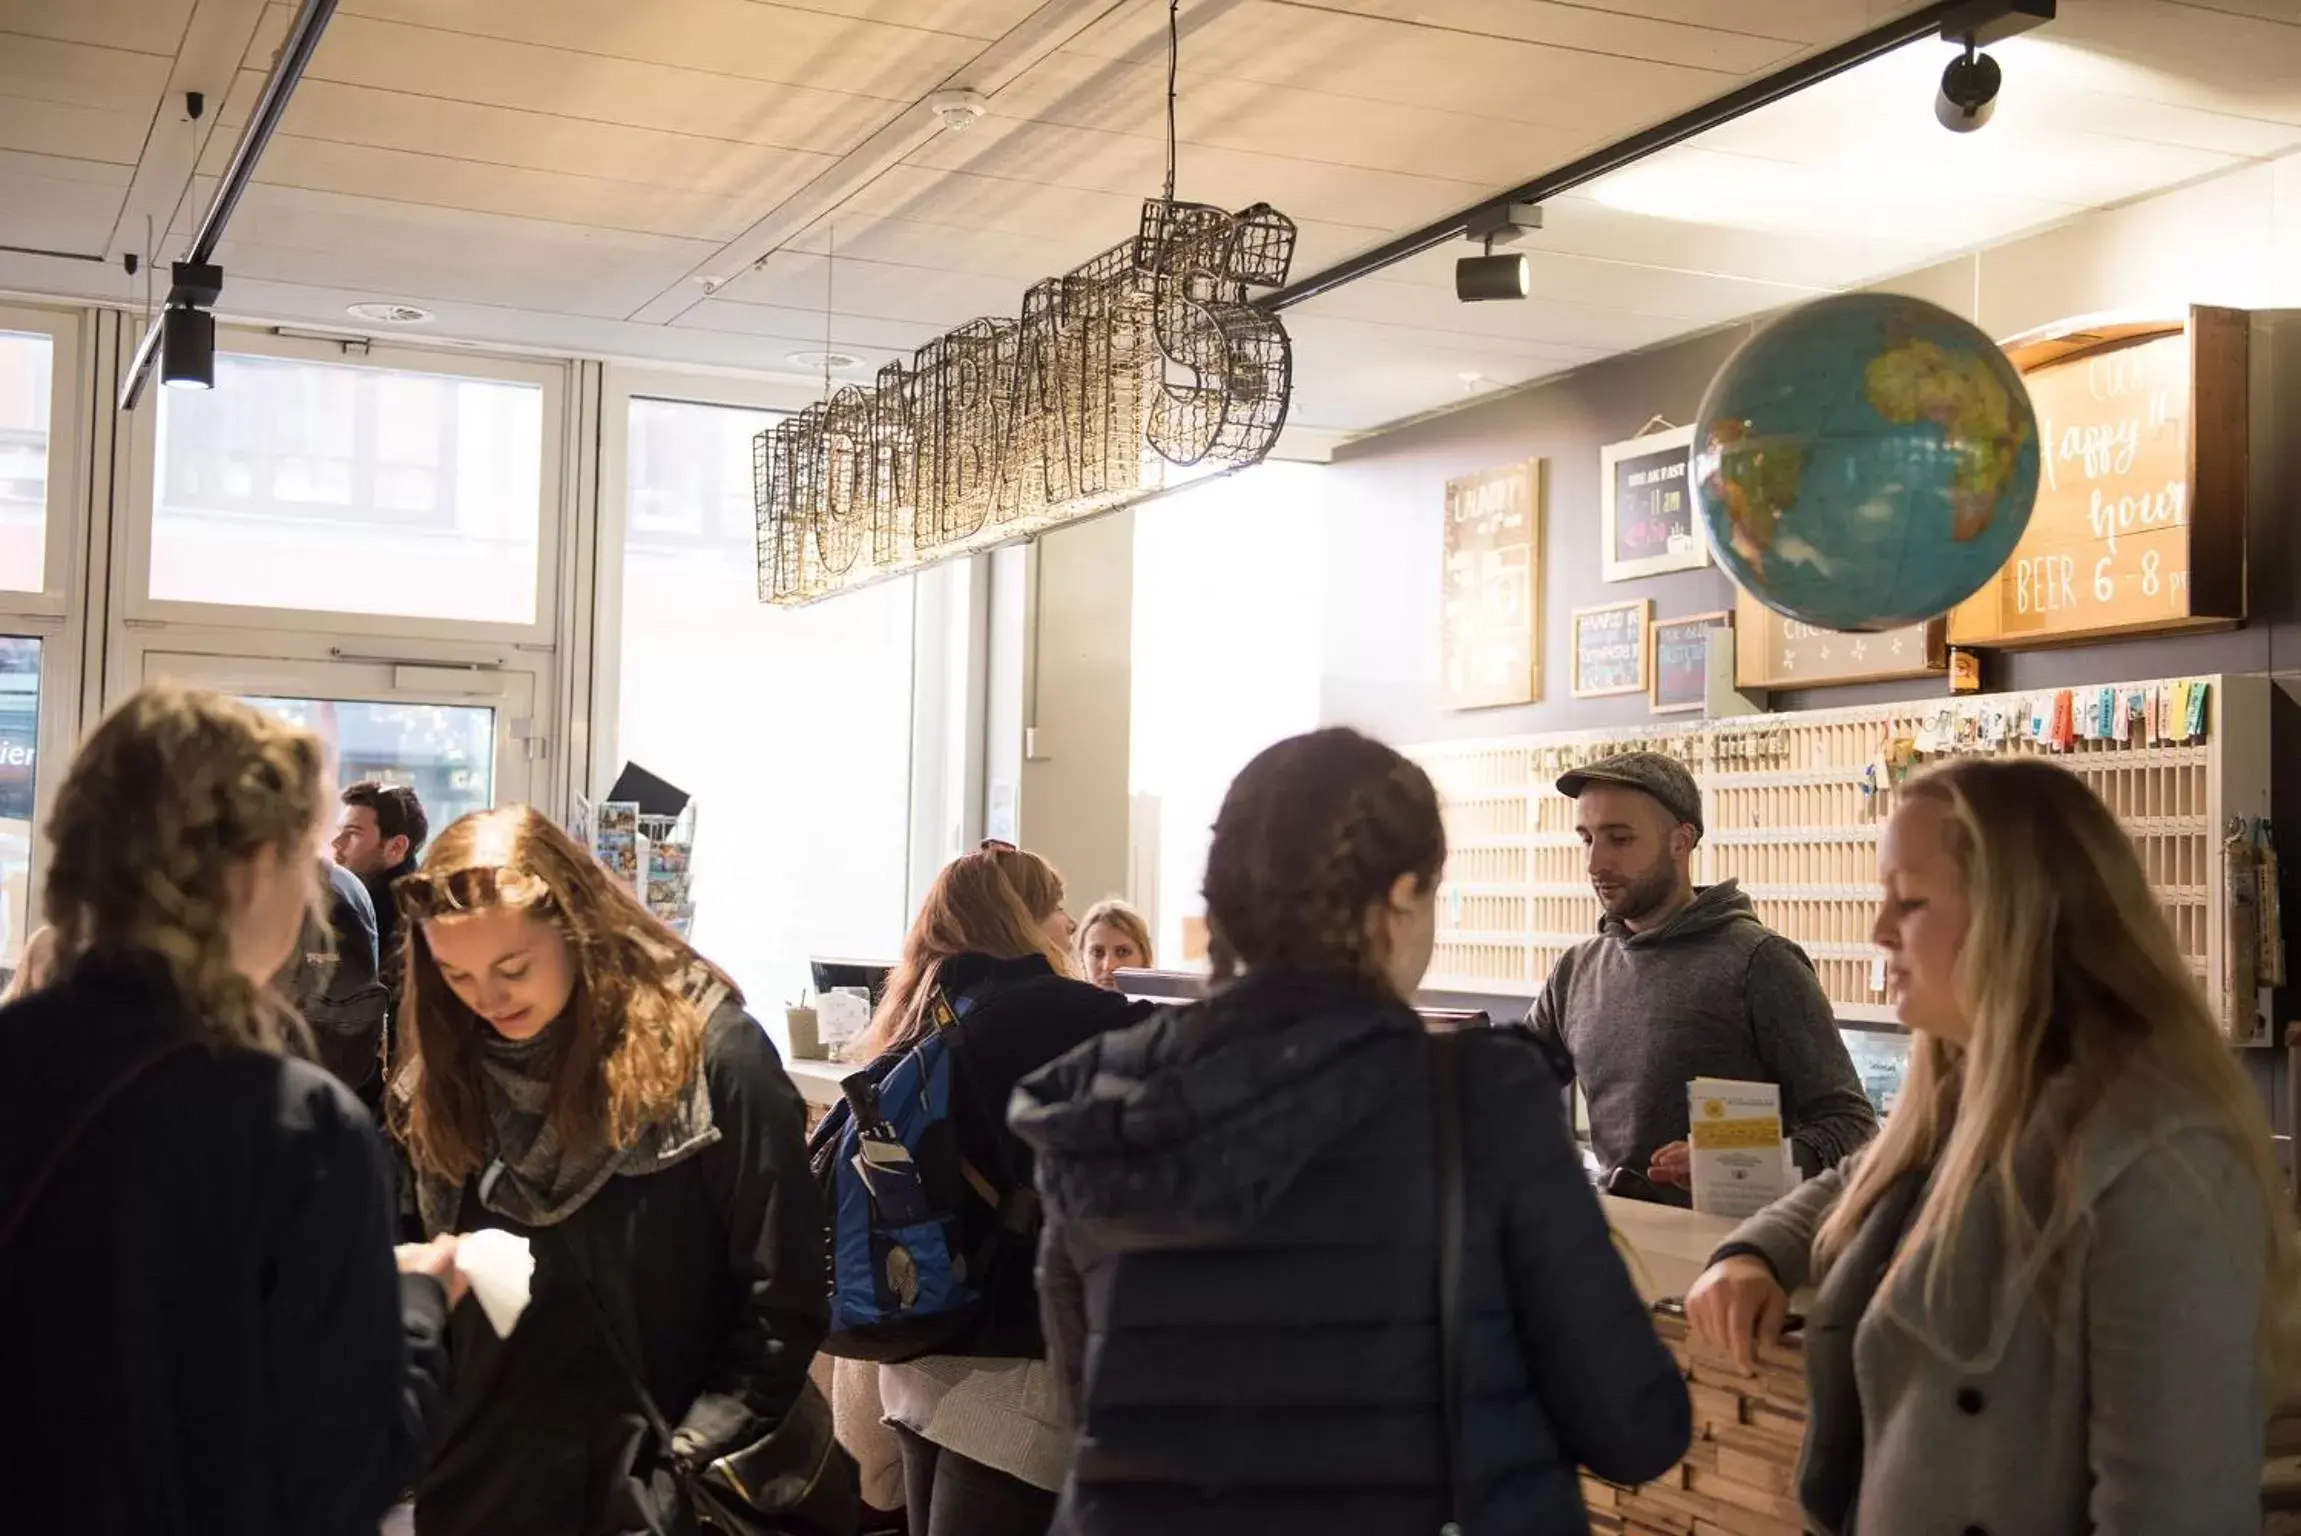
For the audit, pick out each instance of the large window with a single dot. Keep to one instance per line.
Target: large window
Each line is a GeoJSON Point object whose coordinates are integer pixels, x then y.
{"type": "Point", "coordinates": [790, 726]}
{"type": "Point", "coordinates": [1209, 692]}
{"type": "Point", "coordinates": [298, 484]}
{"type": "Point", "coordinates": [27, 371]}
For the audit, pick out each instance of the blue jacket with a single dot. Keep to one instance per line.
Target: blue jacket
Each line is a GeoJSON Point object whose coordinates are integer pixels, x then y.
{"type": "Point", "coordinates": [1239, 1278]}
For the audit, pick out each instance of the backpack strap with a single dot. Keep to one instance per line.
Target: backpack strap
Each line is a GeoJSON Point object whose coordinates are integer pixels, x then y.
{"type": "Point", "coordinates": [88, 1116]}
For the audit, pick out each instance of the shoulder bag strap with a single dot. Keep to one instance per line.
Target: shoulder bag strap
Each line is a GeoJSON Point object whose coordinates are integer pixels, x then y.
{"type": "Point", "coordinates": [1453, 1218]}
{"type": "Point", "coordinates": [79, 1128]}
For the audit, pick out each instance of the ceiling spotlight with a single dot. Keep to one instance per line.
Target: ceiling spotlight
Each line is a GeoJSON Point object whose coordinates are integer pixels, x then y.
{"type": "Point", "coordinates": [833, 361]}
{"type": "Point", "coordinates": [1968, 94]}
{"type": "Point", "coordinates": [187, 348]}
{"type": "Point", "coordinates": [1479, 278]}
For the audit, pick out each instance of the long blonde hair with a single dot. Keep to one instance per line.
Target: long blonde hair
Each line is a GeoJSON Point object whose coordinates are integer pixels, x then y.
{"type": "Point", "coordinates": [174, 788]}
{"type": "Point", "coordinates": [2073, 985]}
{"type": "Point", "coordinates": [995, 901]}
{"type": "Point", "coordinates": [637, 1037]}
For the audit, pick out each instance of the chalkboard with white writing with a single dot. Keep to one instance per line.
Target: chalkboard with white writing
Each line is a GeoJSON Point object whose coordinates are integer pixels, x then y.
{"type": "Point", "coordinates": [1681, 649]}
{"type": "Point", "coordinates": [1610, 648]}
{"type": "Point", "coordinates": [1648, 507]}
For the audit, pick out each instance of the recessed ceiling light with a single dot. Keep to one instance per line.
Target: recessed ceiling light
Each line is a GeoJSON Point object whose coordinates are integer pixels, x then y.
{"type": "Point", "coordinates": [831, 360]}
{"type": "Point", "coordinates": [390, 314]}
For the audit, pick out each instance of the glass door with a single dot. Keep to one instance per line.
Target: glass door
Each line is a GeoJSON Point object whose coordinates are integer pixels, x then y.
{"type": "Point", "coordinates": [465, 738]}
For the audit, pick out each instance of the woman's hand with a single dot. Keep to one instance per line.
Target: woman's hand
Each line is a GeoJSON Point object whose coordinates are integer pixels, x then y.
{"type": "Point", "coordinates": [1737, 1306]}
{"type": "Point", "coordinates": [436, 1259]}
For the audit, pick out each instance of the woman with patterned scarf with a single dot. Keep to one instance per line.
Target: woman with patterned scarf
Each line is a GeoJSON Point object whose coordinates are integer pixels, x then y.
{"type": "Point", "coordinates": [577, 1075]}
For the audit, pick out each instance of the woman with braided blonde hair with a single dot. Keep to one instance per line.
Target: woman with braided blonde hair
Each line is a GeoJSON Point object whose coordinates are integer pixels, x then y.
{"type": "Point", "coordinates": [200, 1329]}
{"type": "Point", "coordinates": [1243, 1239]}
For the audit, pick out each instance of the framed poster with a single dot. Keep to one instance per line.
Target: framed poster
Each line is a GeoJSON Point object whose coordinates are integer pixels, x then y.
{"type": "Point", "coordinates": [1771, 651]}
{"type": "Point", "coordinates": [1647, 504]}
{"type": "Point", "coordinates": [1610, 648]}
{"type": "Point", "coordinates": [1490, 616]}
{"type": "Point", "coordinates": [1681, 651]}
{"type": "Point", "coordinates": [2142, 485]}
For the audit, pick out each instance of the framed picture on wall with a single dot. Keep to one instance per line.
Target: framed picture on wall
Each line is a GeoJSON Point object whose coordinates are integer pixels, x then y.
{"type": "Point", "coordinates": [1610, 653]}
{"type": "Point", "coordinates": [1681, 665]}
{"type": "Point", "coordinates": [1490, 616]}
{"type": "Point", "coordinates": [1646, 499]}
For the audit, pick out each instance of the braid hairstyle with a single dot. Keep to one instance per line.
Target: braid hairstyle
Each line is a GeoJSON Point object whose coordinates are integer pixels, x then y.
{"type": "Point", "coordinates": [1313, 832]}
{"type": "Point", "coordinates": [173, 789]}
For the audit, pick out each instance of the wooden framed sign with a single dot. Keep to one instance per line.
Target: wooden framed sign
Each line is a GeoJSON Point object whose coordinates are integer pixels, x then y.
{"type": "Point", "coordinates": [1771, 651]}
{"type": "Point", "coordinates": [1645, 497]}
{"type": "Point", "coordinates": [2142, 485]}
{"type": "Point", "coordinates": [1681, 652]}
{"type": "Point", "coordinates": [1490, 619]}
{"type": "Point", "coordinates": [1610, 653]}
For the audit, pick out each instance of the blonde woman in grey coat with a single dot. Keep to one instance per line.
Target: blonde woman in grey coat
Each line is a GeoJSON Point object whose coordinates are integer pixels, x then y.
{"type": "Point", "coordinates": [2057, 1295]}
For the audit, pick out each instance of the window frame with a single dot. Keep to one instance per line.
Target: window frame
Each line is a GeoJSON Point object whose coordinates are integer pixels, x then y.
{"type": "Point", "coordinates": [554, 512]}
{"type": "Point", "coordinates": [67, 463]}
{"type": "Point", "coordinates": [619, 387]}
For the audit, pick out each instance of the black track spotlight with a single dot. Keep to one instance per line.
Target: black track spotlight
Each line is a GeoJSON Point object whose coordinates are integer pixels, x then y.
{"type": "Point", "coordinates": [187, 348]}
{"type": "Point", "coordinates": [1479, 278]}
{"type": "Point", "coordinates": [1968, 94]}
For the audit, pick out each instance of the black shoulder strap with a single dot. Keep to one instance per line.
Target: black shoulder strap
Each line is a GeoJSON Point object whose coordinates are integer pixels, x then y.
{"type": "Point", "coordinates": [616, 1345]}
{"type": "Point", "coordinates": [79, 1128]}
{"type": "Point", "coordinates": [1453, 1218]}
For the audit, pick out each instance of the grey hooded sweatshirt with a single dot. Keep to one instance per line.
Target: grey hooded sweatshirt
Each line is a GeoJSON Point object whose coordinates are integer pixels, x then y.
{"type": "Point", "coordinates": [1711, 993]}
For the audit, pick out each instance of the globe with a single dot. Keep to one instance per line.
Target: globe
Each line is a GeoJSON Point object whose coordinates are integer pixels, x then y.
{"type": "Point", "coordinates": [1865, 461]}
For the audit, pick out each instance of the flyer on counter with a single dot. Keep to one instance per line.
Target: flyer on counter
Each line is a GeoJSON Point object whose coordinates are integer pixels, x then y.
{"type": "Point", "coordinates": [1740, 1161]}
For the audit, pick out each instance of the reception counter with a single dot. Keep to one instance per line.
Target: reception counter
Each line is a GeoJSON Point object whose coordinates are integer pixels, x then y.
{"type": "Point", "coordinates": [1740, 1476]}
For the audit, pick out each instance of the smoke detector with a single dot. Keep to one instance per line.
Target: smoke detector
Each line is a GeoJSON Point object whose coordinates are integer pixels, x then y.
{"type": "Point", "coordinates": [834, 361]}
{"type": "Point", "coordinates": [389, 314]}
{"type": "Point", "coordinates": [958, 110]}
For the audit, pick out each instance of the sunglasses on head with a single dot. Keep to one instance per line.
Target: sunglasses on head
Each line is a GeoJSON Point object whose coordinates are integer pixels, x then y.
{"type": "Point", "coordinates": [997, 845]}
{"type": "Point", "coordinates": [422, 897]}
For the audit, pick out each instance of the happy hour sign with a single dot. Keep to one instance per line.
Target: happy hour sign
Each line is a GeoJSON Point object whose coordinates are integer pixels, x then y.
{"type": "Point", "coordinates": [2139, 522]}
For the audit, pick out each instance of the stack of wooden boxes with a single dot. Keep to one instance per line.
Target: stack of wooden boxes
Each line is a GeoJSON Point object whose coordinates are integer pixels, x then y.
{"type": "Point", "coordinates": [1740, 1476]}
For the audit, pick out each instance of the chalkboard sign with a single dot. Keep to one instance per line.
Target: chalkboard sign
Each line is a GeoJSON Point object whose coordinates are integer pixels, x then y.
{"type": "Point", "coordinates": [1490, 618]}
{"type": "Point", "coordinates": [1610, 648]}
{"type": "Point", "coordinates": [1771, 651]}
{"type": "Point", "coordinates": [1648, 504]}
{"type": "Point", "coordinates": [1681, 650]}
{"type": "Point", "coordinates": [2141, 496]}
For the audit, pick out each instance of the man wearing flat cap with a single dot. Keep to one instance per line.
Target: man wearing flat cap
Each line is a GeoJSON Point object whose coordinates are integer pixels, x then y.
{"type": "Point", "coordinates": [1683, 983]}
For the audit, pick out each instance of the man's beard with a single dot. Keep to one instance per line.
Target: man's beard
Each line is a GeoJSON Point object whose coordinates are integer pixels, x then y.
{"type": "Point", "coordinates": [1647, 894]}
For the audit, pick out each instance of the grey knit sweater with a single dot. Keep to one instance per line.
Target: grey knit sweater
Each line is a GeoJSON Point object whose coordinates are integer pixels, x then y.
{"type": "Point", "coordinates": [1711, 993]}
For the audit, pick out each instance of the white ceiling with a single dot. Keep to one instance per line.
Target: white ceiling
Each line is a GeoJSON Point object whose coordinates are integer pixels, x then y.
{"type": "Point", "coordinates": [567, 174]}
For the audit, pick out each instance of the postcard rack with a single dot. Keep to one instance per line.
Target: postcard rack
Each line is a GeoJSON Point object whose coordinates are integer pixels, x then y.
{"type": "Point", "coordinates": [1794, 802]}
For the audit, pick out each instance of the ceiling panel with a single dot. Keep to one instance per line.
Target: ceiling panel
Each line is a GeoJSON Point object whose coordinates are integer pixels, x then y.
{"type": "Point", "coordinates": [147, 26]}
{"type": "Point", "coordinates": [785, 44]}
{"type": "Point", "coordinates": [106, 79]}
{"type": "Point", "coordinates": [329, 112]}
{"type": "Point", "coordinates": [1736, 36]}
{"type": "Point", "coordinates": [878, 340]}
{"type": "Point", "coordinates": [1074, 91]}
{"type": "Point", "coordinates": [358, 50]}
{"type": "Point", "coordinates": [73, 133]}
{"type": "Point", "coordinates": [1135, 167]}
{"type": "Point", "coordinates": [1412, 65]}
{"type": "Point", "coordinates": [59, 205]}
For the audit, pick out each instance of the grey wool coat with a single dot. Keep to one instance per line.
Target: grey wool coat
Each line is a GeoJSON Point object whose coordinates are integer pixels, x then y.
{"type": "Point", "coordinates": [2125, 1398]}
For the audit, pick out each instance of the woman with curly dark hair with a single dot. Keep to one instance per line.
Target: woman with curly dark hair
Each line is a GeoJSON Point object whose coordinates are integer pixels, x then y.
{"type": "Point", "coordinates": [577, 1075]}
{"type": "Point", "coordinates": [1242, 1265]}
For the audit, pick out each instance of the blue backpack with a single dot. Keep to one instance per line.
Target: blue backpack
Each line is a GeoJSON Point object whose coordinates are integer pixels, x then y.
{"type": "Point", "coordinates": [901, 1201]}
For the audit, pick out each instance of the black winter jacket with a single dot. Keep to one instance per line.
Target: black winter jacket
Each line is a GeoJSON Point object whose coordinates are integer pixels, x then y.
{"type": "Point", "coordinates": [1240, 1280]}
{"type": "Point", "coordinates": [201, 1329]}
{"type": "Point", "coordinates": [711, 1269]}
{"type": "Point", "coordinates": [332, 982]}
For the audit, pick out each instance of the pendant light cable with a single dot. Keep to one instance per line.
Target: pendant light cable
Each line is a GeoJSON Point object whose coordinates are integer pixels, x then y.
{"type": "Point", "coordinates": [1173, 67]}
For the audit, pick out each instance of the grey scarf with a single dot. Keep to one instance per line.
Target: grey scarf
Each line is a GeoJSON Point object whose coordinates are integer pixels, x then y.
{"type": "Point", "coordinates": [533, 1176]}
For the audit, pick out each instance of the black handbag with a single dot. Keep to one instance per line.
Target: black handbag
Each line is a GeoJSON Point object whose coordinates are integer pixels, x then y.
{"type": "Point", "coordinates": [1453, 1217]}
{"type": "Point", "coordinates": [795, 1480]}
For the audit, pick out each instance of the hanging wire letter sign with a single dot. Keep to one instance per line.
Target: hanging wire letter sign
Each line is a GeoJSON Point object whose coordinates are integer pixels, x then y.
{"type": "Point", "coordinates": [1141, 369]}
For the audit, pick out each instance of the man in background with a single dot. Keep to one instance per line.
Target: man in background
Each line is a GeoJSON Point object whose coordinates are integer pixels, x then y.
{"type": "Point", "coordinates": [379, 836]}
{"type": "Point", "coordinates": [1683, 983]}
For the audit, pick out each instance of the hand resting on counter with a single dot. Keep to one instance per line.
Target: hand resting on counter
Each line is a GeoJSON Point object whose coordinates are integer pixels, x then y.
{"type": "Point", "coordinates": [1737, 1306]}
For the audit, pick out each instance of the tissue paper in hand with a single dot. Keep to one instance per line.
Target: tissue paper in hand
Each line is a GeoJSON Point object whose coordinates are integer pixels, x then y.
{"type": "Point", "coordinates": [499, 1266]}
